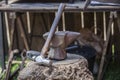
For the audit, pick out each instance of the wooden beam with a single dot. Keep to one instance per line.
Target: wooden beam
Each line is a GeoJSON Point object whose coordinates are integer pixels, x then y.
{"type": "Point", "coordinates": [7, 28]}
{"type": "Point", "coordinates": [52, 7]}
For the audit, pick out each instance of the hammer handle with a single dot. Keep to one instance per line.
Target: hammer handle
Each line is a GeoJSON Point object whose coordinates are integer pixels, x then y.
{"type": "Point", "coordinates": [52, 30]}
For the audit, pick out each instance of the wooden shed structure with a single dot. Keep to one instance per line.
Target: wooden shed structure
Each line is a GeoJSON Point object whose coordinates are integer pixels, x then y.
{"type": "Point", "coordinates": [23, 22]}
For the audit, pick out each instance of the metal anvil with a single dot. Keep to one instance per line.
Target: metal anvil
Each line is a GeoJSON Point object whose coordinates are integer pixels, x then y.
{"type": "Point", "coordinates": [60, 41]}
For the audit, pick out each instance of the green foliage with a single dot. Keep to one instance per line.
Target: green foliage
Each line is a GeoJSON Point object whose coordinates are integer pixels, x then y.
{"type": "Point", "coordinates": [0, 69]}
{"type": "Point", "coordinates": [113, 52]}
{"type": "Point", "coordinates": [113, 72]}
{"type": "Point", "coordinates": [14, 67]}
{"type": "Point", "coordinates": [2, 76]}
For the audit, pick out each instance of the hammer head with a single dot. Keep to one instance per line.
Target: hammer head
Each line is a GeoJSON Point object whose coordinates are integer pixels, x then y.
{"type": "Point", "coordinates": [44, 61]}
{"type": "Point", "coordinates": [30, 54]}
{"type": "Point", "coordinates": [35, 56]}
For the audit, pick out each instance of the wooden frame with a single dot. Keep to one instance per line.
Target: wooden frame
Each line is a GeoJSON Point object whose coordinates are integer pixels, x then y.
{"type": "Point", "coordinates": [52, 7]}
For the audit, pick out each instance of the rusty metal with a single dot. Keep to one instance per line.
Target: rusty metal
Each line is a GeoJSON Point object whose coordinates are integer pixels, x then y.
{"type": "Point", "coordinates": [41, 59]}
{"type": "Point", "coordinates": [59, 42]}
{"type": "Point", "coordinates": [52, 30]}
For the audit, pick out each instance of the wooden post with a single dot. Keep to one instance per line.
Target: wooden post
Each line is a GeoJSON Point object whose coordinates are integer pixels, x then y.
{"type": "Point", "coordinates": [104, 25]}
{"type": "Point", "coordinates": [2, 55]}
{"type": "Point", "coordinates": [95, 23]}
{"type": "Point", "coordinates": [105, 47]}
{"type": "Point", "coordinates": [63, 21]}
{"type": "Point", "coordinates": [28, 22]}
{"type": "Point", "coordinates": [12, 17]}
{"type": "Point", "coordinates": [57, 29]}
{"type": "Point", "coordinates": [118, 22]}
{"type": "Point", "coordinates": [7, 28]}
{"type": "Point", "coordinates": [82, 19]}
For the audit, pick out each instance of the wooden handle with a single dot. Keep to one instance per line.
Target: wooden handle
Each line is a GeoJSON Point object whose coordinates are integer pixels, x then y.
{"type": "Point", "coordinates": [87, 2]}
{"type": "Point", "coordinates": [52, 30]}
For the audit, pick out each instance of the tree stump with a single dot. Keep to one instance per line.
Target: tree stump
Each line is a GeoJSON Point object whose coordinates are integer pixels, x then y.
{"type": "Point", "coordinates": [75, 67]}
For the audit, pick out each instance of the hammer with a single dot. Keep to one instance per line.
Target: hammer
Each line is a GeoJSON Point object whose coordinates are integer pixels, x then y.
{"type": "Point", "coordinates": [42, 57]}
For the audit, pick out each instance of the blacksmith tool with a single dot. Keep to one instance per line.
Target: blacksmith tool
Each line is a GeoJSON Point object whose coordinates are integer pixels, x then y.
{"type": "Point", "coordinates": [59, 42]}
{"type": "Point", "coordinates": [42, 57]}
